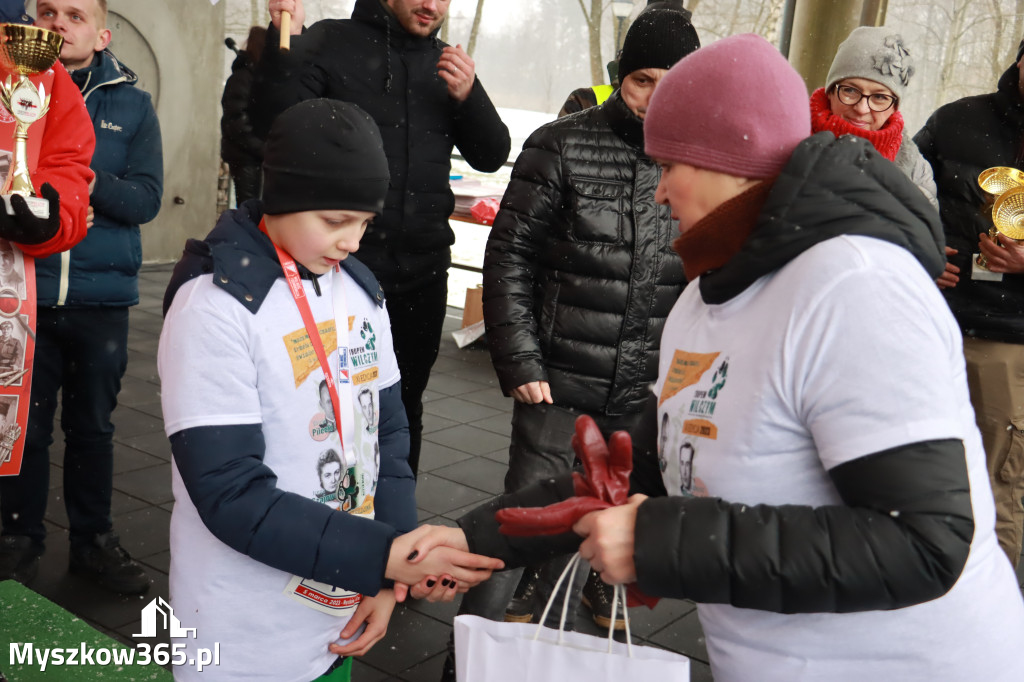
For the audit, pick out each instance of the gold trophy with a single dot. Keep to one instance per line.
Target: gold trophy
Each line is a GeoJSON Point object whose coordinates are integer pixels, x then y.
{"type": "Point", "coordinates": [998, 182]}
{"type": "Point", "coordinates": [25, 50]}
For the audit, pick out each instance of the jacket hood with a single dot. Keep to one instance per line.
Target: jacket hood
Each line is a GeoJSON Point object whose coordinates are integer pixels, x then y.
{"type": "Point", "coordinates": [376, 13]}
{"type": "Point", "coordinates": [1008, 90]}
{"type": "Point", "coordinates": [13, 12]}
{"type": "Point", "coordinates": [244, 263]}
{"type": "Point", "coordinates": [832, 187]}
{"type": "Point", "coordinates": [104, 70]}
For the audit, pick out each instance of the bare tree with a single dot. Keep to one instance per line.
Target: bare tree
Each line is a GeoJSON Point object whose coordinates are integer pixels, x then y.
{"type": "Point", "coordinates": [593, 19]}
{"type": "Point", "coordinates": [476, 27]}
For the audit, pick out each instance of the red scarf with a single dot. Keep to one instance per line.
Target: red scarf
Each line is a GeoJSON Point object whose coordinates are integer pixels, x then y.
{"type": "Point", "coordinates": [887, 140]}
{"type": "Point", "coordinates": [718, 236]}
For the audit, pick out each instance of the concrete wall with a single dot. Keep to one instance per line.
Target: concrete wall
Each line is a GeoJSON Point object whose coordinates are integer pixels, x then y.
{"type": "Point", "coordinates": [177, 50]}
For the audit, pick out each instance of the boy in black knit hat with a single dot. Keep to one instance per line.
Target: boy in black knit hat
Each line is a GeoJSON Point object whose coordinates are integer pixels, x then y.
{"type": "Point", "coordinates": [258, 316]}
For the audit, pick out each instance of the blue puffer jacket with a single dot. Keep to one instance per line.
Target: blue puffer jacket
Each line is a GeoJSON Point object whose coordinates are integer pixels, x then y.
{"type": "Point", "coordinates": [102, 270]}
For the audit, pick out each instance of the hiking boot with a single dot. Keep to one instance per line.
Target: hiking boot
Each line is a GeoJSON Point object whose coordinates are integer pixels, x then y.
{"type": "Point", "coordinates": [598, 596]}
{"type": "Point", "coordinates": [19, 558]}
{"type": "Point", "coordinates": [107, 564]}
{"type": "Point", "coordinates": [520, 609]}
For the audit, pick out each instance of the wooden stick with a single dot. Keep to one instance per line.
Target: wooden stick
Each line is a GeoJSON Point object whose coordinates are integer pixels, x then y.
{"type": "Point", "coordinates": [286, 31]}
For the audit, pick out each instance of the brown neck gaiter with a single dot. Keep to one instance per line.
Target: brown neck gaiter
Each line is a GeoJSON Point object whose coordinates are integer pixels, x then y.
{"type": "Point", "coordinates": [719, 235]}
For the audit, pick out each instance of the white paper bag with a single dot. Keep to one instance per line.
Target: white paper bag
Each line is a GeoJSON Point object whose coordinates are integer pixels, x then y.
{"type": "Point", "coordinates": [489, 651]}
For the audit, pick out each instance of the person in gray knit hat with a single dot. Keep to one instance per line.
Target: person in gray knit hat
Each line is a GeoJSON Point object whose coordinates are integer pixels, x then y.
{"type": "Point", "coordinates": [862, 94]}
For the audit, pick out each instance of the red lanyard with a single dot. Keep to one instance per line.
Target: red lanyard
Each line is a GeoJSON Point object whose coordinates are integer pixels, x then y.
{"type": "Point", "coordinates": [291, 275]}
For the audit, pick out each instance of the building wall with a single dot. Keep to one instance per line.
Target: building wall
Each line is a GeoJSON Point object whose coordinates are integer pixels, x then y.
{"type": "Point", "coordinates": [177, 50]}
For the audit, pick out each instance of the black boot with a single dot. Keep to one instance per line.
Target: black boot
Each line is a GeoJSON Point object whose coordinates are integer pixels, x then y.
{"type": "Point", "coordinates": [106, 563]}
{"type": "Point", "coordinates": [520, 609]}
{"type": "Point", "coordinates": [598, 596]}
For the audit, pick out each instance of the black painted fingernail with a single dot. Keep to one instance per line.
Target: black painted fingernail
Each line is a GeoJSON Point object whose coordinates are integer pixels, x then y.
{"type": "Point", "coordinates": [453, 583]}
{"type": "Point", "coordinates": [431, 583]}
{"type": "Point", "coordinates": [445, 583]}
{"type": "Point", "coordinates": [415, 553]}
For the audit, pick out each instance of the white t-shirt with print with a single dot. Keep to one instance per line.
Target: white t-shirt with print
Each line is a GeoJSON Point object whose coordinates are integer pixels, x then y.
{"type": "Point", "coordinates": [846, 351]}
{"type": "Point", "coordinates": [221, 365]}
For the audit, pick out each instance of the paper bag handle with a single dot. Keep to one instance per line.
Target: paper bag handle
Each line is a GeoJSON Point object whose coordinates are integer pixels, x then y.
{"type": "Point", "coordinates": [618, 595]}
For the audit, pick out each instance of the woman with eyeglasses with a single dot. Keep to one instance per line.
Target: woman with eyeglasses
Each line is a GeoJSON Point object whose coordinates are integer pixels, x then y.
{"type": "Point", "coordinates": [868, 78]}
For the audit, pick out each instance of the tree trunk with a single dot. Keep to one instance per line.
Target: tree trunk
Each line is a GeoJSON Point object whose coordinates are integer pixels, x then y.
{"type": "Point", "coordinates": [593, 19]}
{"type": "Point", "coordinates": [476, 27]}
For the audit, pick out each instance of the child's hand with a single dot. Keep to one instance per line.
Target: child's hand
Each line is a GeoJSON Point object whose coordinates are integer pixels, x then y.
{"type": "Point", "coordinates": [375, 612]}
{"type": "Point", "coordinates": [431, 551]}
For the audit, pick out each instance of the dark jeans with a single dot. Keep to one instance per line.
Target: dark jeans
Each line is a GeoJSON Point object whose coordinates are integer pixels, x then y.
{"type": "Point", "coordinates": [84, 351]}
{"type": "Point", "coordinates": [541, 447]}
{"type": "Point", "coordinates": [416, 320]}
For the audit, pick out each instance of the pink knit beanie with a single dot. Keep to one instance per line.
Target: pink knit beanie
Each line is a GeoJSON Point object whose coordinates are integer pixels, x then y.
{"type": "Point", "coordinates": [735, 106]}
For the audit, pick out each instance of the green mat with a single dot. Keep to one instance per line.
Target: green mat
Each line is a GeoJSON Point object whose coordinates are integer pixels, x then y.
{"type": "Point", "coordinates": [29, 619]}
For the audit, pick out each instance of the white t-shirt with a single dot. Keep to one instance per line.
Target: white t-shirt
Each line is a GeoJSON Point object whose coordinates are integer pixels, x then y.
{"type": "Point", "coordinates": [221, 365]}
{"type": "Point", "coordinates": [846, 351]}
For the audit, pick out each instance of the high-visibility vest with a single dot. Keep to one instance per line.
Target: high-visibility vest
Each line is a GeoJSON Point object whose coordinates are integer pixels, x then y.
{"type": "Point", "coordinates": [602, 92]}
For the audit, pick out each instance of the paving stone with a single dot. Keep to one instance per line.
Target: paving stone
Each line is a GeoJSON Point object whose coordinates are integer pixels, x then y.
{"type": "Point", "coordinates": [130, 459]}
{"type": "Point", "coordinates": [500, 423]}
{"type": "Point", "coordinates": [459, 410]}
{"type": "Point", "coordinates": [152, 484]}
{"type": "Point", "coordinates": [144, 532]}
{"type": "Point", "coordinates": [131, 422]}
{"type": "Point", "coordinates": [477, 472]}
{"type": "Point", "coordinates": [469, 439]}
{"type": "Point", "coordinates": [412, 638]}
{"type": "Point", "coordinates": [439, 495]}
{"type": "Point", "coordinates": [491, 397]}
{"type": "Point", "coordinates": [432, 422]}
{"type": "Point", "coordinates": [155, 444]}
{"type": "Point", "coordinates": [433, 456]}
{"type": "Point", "coordinates": [684, 636]}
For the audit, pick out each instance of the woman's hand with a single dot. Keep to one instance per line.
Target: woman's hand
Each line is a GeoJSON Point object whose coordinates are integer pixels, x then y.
{"type": "Point", "coordinates": [608, 542]}
{"type": "Point", "coordinates": [430, 552]}
{"type": "Point", "coordinates": [375, 612]}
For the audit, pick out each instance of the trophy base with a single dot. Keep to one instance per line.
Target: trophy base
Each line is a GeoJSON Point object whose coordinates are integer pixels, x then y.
{"type": "Point", "coordinates": [980, 272]}
{"type": "Point", "coordinates": [40, 207]}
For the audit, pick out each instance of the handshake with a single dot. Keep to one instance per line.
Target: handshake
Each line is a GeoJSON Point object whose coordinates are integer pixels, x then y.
{"type": "Point", "coordinates": [434, 563]}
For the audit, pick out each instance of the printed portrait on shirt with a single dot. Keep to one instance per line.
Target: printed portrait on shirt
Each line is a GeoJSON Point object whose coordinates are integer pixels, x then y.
{"type": "Point", "coordinates": [322, 424]}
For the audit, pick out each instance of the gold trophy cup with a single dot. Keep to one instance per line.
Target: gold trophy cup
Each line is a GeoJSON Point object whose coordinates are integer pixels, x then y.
{"type": "Point", "coordinates": [25, 50]}
{"type": "Point", "coordinates": [997, 182]}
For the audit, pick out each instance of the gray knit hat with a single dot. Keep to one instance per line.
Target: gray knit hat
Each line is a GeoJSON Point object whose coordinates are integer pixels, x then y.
{"type": "Point", "coordinates": [875, 53]}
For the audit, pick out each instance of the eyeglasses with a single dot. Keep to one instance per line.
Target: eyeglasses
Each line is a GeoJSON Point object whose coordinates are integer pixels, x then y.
{"type": "Point", "coordinates": [877, 102]}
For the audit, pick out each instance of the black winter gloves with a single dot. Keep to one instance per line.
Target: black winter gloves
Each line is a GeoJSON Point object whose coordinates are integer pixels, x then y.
{"type": "Point", "coordinates": [24, 227]}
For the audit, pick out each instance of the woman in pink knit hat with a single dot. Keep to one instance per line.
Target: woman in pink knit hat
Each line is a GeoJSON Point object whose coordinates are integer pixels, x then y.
{"type": "Point", "coordinates": [832, 518]}
{"type": "Point", "coordinates": [863, 91]}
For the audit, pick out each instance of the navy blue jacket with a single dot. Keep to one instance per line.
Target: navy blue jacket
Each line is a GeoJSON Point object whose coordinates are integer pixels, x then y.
{"type": "Point", "coordinates": [102, 269]}
{"type": "Point", "coordinates": [222, 467]}
{"type": "Point", "coordinates": [13, 12]}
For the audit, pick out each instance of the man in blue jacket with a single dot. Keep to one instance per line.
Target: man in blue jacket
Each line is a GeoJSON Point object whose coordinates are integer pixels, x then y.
{"type": "Point", "coordinates": [82, 328]}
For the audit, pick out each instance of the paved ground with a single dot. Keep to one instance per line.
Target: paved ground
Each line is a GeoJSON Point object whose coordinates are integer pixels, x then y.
{"type": "Point", "coordinates": [463, 463]}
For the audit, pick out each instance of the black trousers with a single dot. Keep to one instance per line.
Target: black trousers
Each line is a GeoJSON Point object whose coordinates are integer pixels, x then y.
{"type": "Point", "coordinates": [84, 352]}
{"type": "Point", "coordinates": [416, 320]}
{"type": "Point", "coordinates": [248, 180]}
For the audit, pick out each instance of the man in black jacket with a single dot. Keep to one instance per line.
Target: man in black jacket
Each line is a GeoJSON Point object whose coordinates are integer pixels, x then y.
{"type": "Point", "coordinates": [960, 140]}
{"type": "Point", "coordinates": [425, 98]}
{"type": "Point", "coordinates": [579, 276]}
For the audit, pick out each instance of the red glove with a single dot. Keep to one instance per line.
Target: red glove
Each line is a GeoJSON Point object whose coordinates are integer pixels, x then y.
{"type": "Point", "coordinates": [603, 484]}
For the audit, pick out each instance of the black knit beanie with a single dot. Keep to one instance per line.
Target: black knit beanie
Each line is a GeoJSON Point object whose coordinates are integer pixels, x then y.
{"type": "Point", "coordinates": [323, 154]}
{"type": "Point", "coordinates": [657, 39]}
